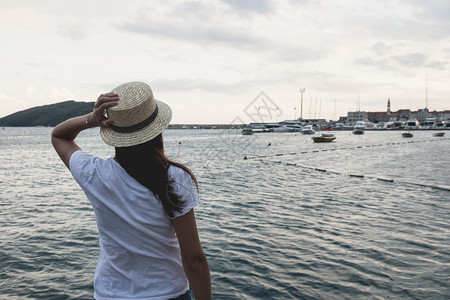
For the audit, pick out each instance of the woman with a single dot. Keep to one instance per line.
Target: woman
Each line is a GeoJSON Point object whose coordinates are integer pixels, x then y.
{"type": "Point", "coordinates": [143, 202]}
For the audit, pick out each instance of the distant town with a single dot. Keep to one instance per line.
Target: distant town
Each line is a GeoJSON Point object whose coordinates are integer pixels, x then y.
{"type": "Point", "coordinates": [401, 119]}
{"type": "Point", "coordinates": [422, 118]}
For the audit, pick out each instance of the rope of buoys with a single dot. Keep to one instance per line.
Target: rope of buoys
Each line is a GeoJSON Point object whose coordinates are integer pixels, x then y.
{"type": "Point", "coordinates": [362, 176]}
{"type": "Point", "coordinates": [334, 149]}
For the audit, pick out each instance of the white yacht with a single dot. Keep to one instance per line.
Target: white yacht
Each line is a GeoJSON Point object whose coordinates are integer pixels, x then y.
{"type": "Point", "coordinates": [308, 130]}
{"type": "Point", "coordinates": [283, 128]}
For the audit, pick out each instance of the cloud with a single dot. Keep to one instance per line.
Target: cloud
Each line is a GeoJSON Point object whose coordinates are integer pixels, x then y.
{"type": "Point", "coordinates": [439, 65]}
{"type": "Point", "coordinates": [434, 11]}
{"type": "Point", "coordinates": [381, 64]}
{"type": "Point", "coordinates": [11, 103]}
{"type": "Point", "coordinates": [199, 84]}
{"type": "Point", "coordinates": [31, 96]}
{"type": "Point", "coordinates": [394, 20]}
{"type": "Point", "coordinates": [193, 33]}
{"type": "Point", "coordinates": [258, 6]}
{"type": "Point", "coordinates": [197, 23]}
{"type": "Point", "coordinates": [75, 32]}
{"type": "Point", "coordinates": [411, 59]}
{"type": "Point", "coordinates": [380, 48]}
{"type": "Point", "coordinates": [293, 53]}
{"type": "Point", "coordinates": [38, 64]}
{"type": "Point", "coordinates": [446, 53]}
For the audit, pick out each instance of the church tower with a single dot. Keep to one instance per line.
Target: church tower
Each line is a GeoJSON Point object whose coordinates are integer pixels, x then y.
{"type": "Point", "coordinates": [389, 107]}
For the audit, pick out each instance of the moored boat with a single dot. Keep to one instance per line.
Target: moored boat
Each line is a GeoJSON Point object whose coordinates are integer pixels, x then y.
{"type": "Point", "coordinates": [327, 134]}
{"type": "Point", "coordinates": [323, 139]}
{"type": "Point", "coordinates": [358, 131]}
{"type": "Point", "coordinates": [359, 127]}
{"type": "Point", "coordinates": [438, 134]}
{"type": "Point", "coordinates": [308, 130]}
{"type": "Point", "coordinates": [407, 135]}
{"type": "Point", "coordinates": [247, 131]}
{"type": "Point", "coordinates": [283, 128]}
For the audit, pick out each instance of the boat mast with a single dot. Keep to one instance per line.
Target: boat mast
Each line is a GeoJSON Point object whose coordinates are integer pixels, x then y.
{"type": "Point", "coordinates": [302, 90]}
{"type": "Point", "coordinates": [310, 105]}
{"type": "Point", "coordinates": [320, 107]}
{"type": "Point", "coordinates": [426, 91]}
{"type": "Point", "coordinates": [335, 110]}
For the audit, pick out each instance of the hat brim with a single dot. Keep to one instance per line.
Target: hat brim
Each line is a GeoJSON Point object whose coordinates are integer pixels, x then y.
{"type": "Point", "coordinates": [156, 127]}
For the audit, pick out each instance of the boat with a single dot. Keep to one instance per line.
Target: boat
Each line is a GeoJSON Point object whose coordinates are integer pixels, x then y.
{"type": "Point", "coordinates": [411, 123]}
{"type": "Point", "coordinates": [308, 130]}
{"type": "Point", "coordinates": [327, 134]}
{"type": "Point", "coordinates": [358, 128]}
{"type": "Point", "coordinates": [293, 125]}
{"type": "Point", "coordinates": [438, 134]}
{"type": "Point", "coordinates": [323, 139]}
{"type": "Point", "coordinates": [407, 134]}
{"type": "Point", "coordinates": [358, 131]}
{"type": "Point", "coordinates": [283, 128]}
{"type": "Point", "coordinates": [247, 131]}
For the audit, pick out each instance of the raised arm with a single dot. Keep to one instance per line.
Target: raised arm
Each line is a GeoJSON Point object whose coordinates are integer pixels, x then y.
{"type": "Point", "coordinates": [64, 134]}
{"type": "Point", "coordinates": [194, 259]}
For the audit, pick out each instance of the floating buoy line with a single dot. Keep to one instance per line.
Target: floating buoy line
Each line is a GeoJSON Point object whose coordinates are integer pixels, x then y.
{"type": "Point", "coordinates": [362, 176]}
{"type": "Point", "coordinates": [262, 158]}
{"type": "Point", "coordinates": [337, 149]}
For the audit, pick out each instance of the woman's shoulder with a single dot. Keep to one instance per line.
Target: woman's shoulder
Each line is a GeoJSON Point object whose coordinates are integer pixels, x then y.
{"type": "Point", "coordinates": [180, 175]}
{"type": "Point", "coordinates": [176, 172]}
{"type": "Point", "coordinates": [81, 159]}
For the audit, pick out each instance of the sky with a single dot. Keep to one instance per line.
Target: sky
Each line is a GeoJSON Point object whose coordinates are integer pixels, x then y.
{"type": "Point", "coordinates": [230, 61]}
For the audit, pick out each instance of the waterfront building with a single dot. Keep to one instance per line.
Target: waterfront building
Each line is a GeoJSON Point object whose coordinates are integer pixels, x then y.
{"type": "Point", "coordinates": [354, 116]}
{"type": "Point", "coordinates": [314, 121]}
{"type": "Point", "coordinates": [422, 117]}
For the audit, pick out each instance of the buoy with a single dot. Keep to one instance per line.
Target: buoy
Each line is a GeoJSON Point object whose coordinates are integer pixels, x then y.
{"type": "Point", "coordinates": [245, 157]}
{"type": "Point", "coordinates": [270, 144]}
{"type": "Point", "coordinates": [356, 175]}
{"type": "Point", "coordinates": [179, 143]}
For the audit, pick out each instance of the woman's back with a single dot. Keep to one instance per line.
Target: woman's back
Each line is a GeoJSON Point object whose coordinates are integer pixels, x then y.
{"type": "Point", "coordinates": [139, 247]}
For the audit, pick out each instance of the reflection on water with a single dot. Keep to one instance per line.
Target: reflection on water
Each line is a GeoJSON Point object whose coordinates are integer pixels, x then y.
{"type": "Point", "coordinates": [272, 227]}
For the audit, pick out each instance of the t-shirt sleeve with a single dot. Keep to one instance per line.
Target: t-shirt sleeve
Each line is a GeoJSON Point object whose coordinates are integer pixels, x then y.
{"type": "Point", "coordinates": [81, 166]}
{"type": "Point", "coordinates": [184, 187]}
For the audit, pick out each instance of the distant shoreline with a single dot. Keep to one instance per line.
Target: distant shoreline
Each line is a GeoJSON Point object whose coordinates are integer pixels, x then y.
{"type": "Point", "coordinates": [241, 126]}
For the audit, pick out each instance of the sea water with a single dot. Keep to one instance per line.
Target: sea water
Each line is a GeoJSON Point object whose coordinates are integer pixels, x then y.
{"type": "Point", "coordinates": [360, 218]}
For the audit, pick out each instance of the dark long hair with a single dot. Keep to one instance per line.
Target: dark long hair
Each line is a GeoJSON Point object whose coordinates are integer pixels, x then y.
{"type": "Point", "coordinates": [148, 164]}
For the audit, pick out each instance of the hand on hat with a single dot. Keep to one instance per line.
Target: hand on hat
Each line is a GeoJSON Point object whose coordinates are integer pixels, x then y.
{"type": "Point", "coordinates": [104, 101]}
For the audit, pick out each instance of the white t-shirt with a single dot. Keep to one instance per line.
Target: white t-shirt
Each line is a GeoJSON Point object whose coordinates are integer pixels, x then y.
{"type": "Point", "coordinates": [139, 250]}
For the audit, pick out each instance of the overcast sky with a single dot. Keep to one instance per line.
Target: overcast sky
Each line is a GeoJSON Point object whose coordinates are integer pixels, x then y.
{"type": "Point", "coordinates": [211, 59]}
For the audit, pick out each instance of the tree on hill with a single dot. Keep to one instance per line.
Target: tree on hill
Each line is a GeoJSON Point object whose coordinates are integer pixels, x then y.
{"type": "Point", "coordinates": [47, 115]}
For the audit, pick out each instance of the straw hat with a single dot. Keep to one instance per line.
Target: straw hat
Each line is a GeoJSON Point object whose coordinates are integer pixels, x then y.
{"type": "Point", "coordinates": [138, 117]}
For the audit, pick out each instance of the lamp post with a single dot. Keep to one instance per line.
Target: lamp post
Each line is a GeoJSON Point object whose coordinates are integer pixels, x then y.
{"type": "Point", "coordinates": [302, 90]}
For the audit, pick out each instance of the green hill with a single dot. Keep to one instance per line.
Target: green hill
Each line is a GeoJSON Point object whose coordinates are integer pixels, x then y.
{"type": "Point", "coordinates": [47, 115]}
